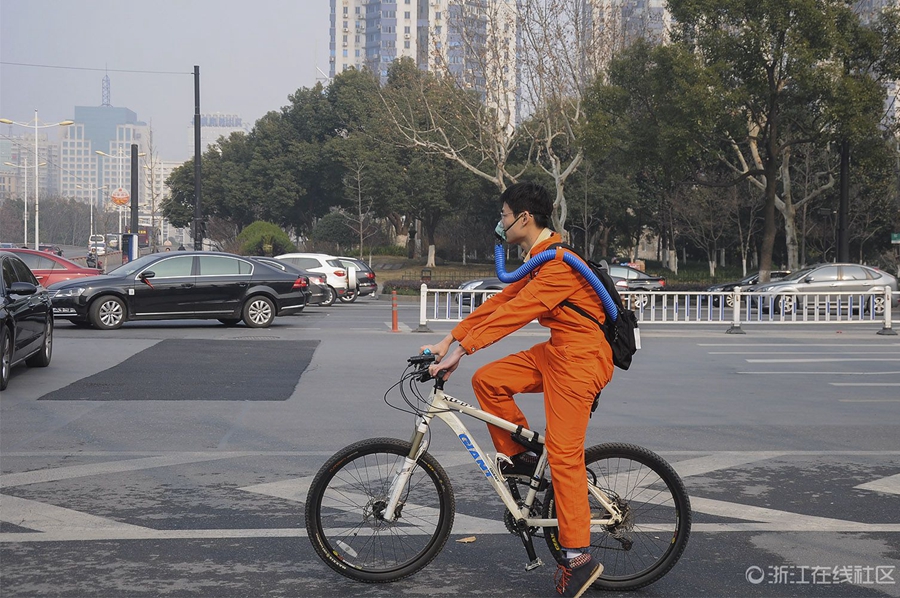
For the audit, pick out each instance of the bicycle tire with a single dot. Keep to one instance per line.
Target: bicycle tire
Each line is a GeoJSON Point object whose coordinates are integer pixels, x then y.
{"type": "Point", "coordinates": [659, 521]}
{"type": "Point", "coordinates": [342, 519]}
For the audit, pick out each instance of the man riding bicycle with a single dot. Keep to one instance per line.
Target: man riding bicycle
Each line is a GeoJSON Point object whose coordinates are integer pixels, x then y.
{"type": "Point", "coordinates": [570, 370]}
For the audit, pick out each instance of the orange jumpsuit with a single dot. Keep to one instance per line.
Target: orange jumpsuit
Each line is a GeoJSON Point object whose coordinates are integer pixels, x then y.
{"type": "Point", "coordinates": [570, 369]}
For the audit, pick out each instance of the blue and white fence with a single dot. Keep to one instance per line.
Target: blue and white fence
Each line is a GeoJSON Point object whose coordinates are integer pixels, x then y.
{"type": "Point", "coordinates": [700, 307]}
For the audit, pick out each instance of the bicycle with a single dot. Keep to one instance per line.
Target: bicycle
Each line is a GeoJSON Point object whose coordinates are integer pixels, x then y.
{"type": "Point", "coordinates": [381, 509]}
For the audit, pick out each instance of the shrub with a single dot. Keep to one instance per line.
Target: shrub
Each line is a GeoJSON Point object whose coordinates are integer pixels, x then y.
{"type": "Point", "coordinates": [264, 238]}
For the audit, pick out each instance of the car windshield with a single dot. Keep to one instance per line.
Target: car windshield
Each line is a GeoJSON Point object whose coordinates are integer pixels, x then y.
{"type": "Point", "coordinates": [134, 265]}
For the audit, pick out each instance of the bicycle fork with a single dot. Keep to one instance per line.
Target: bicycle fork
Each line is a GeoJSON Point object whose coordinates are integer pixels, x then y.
{"type": "Point", "coordinates": [419, 444]}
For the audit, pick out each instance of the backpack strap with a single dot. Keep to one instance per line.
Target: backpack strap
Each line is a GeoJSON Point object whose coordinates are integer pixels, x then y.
{"type": "Point", "coordinates": [575, 308]}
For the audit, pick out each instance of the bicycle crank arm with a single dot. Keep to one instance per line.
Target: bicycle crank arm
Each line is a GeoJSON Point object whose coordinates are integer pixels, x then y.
{"type": "Point", "coordinates": [534, 560]}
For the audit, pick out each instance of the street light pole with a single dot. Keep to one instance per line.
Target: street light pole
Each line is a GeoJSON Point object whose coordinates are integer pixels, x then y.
{"type": "Point", "coordinates": [37, 178]}
{"type": "Point", "coordinates": [25, 194]}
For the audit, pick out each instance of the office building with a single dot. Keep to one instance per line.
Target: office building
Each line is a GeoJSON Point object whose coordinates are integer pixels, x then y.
{"type": "Point", "coordinates": [212, 127]}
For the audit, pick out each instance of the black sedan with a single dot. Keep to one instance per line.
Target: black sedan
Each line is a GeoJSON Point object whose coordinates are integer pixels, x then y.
{"type": "Point", "coordinates": [182, 285]}
{"type": "Point", "coordinates": [26, 319]}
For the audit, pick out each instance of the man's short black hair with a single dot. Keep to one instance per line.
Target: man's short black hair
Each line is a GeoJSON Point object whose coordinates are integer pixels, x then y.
{"type": "Point", "coordinates": [532, 198]}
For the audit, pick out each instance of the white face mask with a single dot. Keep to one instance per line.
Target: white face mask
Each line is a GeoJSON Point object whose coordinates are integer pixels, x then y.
{"type": "Point", "coordinates": [501, 232]}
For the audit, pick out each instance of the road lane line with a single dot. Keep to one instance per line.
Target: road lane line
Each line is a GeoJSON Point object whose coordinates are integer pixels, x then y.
{"type": "Point", "coordinates": [864, 383]}
{"type": "Point", "coordinates": [78, 471]}
{"type": "Point", "coordinates": [888, 485]}
{"type": "Point", "coordinates": [823, 360]}
{"type": "Point", "coordinates": [825, 373]}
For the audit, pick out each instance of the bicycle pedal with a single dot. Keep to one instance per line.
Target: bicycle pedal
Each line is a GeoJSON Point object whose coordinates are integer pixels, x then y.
{"type": "Point", "coordinates": [534, 564]}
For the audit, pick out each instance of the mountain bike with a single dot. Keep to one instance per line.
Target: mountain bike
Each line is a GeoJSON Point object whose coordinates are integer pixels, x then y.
{"type": "Point", "coordinates": [381, 509]}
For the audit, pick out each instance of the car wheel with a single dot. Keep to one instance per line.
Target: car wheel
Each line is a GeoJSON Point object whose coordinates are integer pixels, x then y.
{"type": "Point", "coordinates": [786, 304]}
{"type": "Point", "coordinates": [259, 312]}
{"type": "Point", "coordinates": [230, 321]}
{"type": "Point", "coordinates": [41, 359]}
{"type": "Point", "coordinates": [5, 356]}
{"type": "Point", "coordinates": [876, 305]}
{"type": "Point", "coordinates": [729, 300]}
{"type": "Point", "coordinates": [350, 296]}
{"type": "Point", "coordinates": [330, 294]}
{"type": "Point", "coordinates": [107, 313]}
{"type": "Point", "coordinates": [639, 301]}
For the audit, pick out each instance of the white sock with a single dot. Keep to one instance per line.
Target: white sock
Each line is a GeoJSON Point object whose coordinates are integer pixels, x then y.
{"type": "Point", "coordinates": [571, 554]}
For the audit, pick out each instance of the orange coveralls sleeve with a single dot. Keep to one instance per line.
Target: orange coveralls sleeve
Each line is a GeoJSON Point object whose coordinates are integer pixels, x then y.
{"type": "Point", "coordinates": [569, 369]}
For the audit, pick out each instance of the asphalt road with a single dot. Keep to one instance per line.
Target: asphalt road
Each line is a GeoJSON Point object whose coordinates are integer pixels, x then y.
{"type": "Point", "coordinates": [171, 458]}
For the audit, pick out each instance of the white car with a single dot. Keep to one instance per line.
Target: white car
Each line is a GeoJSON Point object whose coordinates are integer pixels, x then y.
{"type": "Point", "coordinates": [97, 248]}
{"type": "Point", "coordinates": [338, 278]}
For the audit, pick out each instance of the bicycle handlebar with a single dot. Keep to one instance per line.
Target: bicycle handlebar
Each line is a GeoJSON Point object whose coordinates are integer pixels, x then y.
{"type": "Point", "coordinates": [421, 363]}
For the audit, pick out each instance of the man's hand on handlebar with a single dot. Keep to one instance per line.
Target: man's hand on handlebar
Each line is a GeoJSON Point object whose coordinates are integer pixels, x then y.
{"type": "Point", "coordinates": [448, 364]}
{"type": "Point", "coordinates": [438, 350]}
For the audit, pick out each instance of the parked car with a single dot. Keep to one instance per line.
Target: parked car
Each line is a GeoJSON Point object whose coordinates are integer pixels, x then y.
{"type": "Point", "coordinates": [315, 291]}
{"type": "Point", "coordinates": [825, 278]}
{"type": "Point", "coordinates": [479, 284]}
{"type": "Point", "coordinates": [55, 249]}
{"type": "Point", "coordinates": [8, 245]}
{"type": "Point", "coordinates": [97, 248]}
{"type": "Point", "coordinates": [49, 268]}
{"type": "Point", "coordinates": [338, 277]}
{"type": "Point", "coordinates": [749, 280]}
{"type": "Point", "coordinates": [26, 319]}
{"type": "Point", "coordinates": [635, 280]}
{"type": "Point", "coordinates": [365, 279]}
{"type": "Point", "coordinates": [182, 285]}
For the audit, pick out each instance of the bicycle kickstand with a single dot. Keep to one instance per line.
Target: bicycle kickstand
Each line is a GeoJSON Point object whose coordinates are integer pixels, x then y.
{"type": "Point", "coordinates": [525, 536]}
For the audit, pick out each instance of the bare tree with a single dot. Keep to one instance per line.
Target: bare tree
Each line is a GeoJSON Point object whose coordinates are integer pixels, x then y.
{"type": "Point", "coordinates": [464, 108]}
{"type": "Point", "coordinates": [360, 220]}
{"type": "Point", "coordinates": [704, 216]}
{"type": "Point", "coordinates": [565, 47]}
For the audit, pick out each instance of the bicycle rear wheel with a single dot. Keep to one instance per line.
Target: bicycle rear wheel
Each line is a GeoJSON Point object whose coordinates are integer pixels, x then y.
{"type": "Point", "coordinates": [345, 512]}
{"type": "Point", "coordinates": [651, 539]}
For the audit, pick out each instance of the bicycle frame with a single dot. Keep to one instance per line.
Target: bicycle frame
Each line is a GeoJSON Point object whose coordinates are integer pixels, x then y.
{"type": "Point", "coordinates": [442, 406]}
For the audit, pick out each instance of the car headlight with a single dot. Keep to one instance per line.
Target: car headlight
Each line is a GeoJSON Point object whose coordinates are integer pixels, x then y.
{"type": "Point", "coordinates": [70, 292]}
{"type": "Point", "coordinates": [474, 284]}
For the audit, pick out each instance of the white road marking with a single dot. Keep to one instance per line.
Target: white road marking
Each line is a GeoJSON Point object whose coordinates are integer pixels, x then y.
{"type": "Point", "coordinates": [823, 360]}
{"type": "Point", "coordinates": [869, 400]}
{"type": "Point", "coordinates": [42, 517]}
{"type": "Point", "coordinates": [57, 524]}
{"type": "Point", "coordinates": [400, 326]}
{"type": "Point", "coordinates": [864, 383]}
{"type": "Point", "coordinates": [793, 352]}
{"type": "Point", "coordinates": [825, 373]}
{"type": "Point", "coordinates": [79, 471]}
{"type": "Point", "coordinates": [835, 344]}
{"type": "Point", "coordinates": [888, 485]}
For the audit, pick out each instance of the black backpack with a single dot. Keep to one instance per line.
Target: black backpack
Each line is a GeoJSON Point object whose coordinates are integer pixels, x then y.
{"type": "Point", "coordinates": [622, 335]}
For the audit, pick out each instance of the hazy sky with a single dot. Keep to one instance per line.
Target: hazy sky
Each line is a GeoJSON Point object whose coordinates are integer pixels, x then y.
{"type": "Point", "coordinates": [252, 54]}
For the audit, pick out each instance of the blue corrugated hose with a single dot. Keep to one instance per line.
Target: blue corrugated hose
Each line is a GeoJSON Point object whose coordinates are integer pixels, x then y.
{"type": "Point", "coordinates": [545, 256]}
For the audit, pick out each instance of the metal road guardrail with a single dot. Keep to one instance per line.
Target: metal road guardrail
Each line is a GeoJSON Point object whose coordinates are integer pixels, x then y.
{"type": "Point", "coordinates": [701, 307]}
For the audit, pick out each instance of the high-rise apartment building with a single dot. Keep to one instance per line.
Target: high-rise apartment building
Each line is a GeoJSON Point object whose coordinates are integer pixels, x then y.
{"type": "Point", "coordinates": [868, 11]}
{"type": "Point", "coordinates": [473, 40]}
{"type": "Point", "coordinates": [437, 34]}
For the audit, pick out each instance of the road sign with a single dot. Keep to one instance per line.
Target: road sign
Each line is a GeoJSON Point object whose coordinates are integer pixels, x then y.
{"type": "Point", "coordinates": [120, 197]}
{"type": "Point", "coordinates": [895, 238]}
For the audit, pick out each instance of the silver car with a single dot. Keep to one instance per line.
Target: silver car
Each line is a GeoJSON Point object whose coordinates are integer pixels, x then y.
{"type": "Point", "coordinates": [812, 286]}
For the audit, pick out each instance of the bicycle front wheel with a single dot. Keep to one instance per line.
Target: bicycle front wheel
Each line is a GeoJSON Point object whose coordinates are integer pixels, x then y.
{"type": "Point", "coordinates": [345, 512]}
{"type": "Point", "coordinates": [656, 509]}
